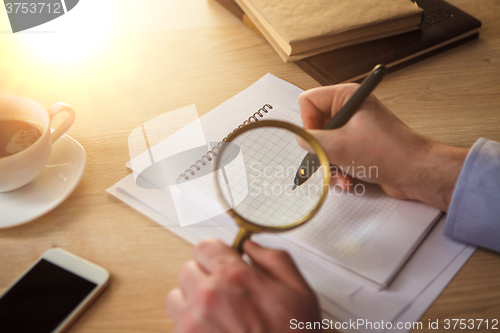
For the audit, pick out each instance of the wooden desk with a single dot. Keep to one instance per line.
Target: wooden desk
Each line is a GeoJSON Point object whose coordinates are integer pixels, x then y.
{"type": "Point", "coordinates": [195, 52]}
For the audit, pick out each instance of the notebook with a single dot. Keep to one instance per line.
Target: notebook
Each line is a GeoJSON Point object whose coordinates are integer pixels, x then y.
{"type": "Point", "coordinates": [298, 29]}
{"type": "Point", "coordinates": [444, 27]}
{"type": "Point", "coordinates": [369, 235]}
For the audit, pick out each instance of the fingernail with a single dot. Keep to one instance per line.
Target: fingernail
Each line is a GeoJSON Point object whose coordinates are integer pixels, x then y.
{"type": "Point", "coordinates": [252, 244]}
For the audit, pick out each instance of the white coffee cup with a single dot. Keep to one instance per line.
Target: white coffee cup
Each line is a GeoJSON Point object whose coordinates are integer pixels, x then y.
{"type": "Point", "coordinates": [22, 167]}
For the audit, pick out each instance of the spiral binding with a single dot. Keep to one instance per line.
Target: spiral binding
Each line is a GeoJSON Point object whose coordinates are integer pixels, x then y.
{"type": "Point", "coordinates": [196, 166]}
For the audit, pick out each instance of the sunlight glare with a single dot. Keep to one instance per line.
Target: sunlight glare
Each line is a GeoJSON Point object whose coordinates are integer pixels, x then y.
{"type": "Point", "coordinates": [73, 36]}
{"type": "Point", "coordinates": [64, 47]}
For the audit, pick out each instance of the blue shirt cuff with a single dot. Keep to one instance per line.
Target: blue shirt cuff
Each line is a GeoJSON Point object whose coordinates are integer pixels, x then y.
{"type": "Point", "coordinates": [474, 212]}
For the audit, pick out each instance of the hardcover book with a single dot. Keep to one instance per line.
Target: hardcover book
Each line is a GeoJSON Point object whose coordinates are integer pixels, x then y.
{"type": "Point", "coordinates": [444, 26]}
{"type": "Point", "coordinates": [299, 29]}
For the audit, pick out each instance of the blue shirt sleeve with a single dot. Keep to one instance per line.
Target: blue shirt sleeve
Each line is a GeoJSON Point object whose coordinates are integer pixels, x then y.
{"type": "Point", "coordinates": [474, 213]}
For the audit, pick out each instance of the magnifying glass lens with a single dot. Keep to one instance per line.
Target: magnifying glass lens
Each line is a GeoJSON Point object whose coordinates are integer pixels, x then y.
{"type": "Point", "coordinates": [255, 176]}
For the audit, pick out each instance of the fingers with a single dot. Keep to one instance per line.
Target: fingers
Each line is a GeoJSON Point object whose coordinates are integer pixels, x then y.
{"type": "Point", "coordinates": [277, 264]}
{"type": "Point", "coordinates": [345, 182]}
{"type": "Point", "coordinates": [189, 278]}
{"type": "Point", "coordinates": [318, 105]}
{"type": "Point", "coordinates": [212, 254]}
{"type": "Point", "coordinates": [175, 302]}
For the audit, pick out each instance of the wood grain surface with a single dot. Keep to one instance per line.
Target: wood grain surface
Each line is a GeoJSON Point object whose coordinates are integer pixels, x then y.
{"type": "Point", "coordinates": [205, 56]}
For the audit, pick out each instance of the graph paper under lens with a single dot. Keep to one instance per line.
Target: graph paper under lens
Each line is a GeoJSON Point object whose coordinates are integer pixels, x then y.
{"type": "Point", "coordinates": [257, 182]}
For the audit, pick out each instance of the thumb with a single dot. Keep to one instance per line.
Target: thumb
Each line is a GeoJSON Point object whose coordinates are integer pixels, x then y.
{"type": "Point", "coordinates": [276, 263]}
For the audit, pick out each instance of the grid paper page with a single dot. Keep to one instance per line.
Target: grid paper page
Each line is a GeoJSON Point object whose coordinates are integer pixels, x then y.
{"type": "Point", "coordinates": [370, 234]}
{"type": "Point", "coordinates": [271, 158]}
{"type": "Point", "coordinates": [345, 223]}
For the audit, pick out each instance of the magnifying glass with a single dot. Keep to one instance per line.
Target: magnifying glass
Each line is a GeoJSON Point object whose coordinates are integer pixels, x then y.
{"type": "Point", "coordinates": [255, 171]}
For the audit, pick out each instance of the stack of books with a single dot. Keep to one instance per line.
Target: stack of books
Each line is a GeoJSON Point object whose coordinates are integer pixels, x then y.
{"type": "Point", "coordinates": [442, 27]}
{"type": "Point", "coordinates": [298, 29]}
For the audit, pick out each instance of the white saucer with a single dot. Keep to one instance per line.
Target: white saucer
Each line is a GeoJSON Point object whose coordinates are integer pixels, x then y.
{"type": "Point", "coordinates": [52, 186]}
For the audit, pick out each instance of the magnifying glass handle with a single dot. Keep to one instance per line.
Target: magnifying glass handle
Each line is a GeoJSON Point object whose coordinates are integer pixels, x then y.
{"type": "Point", "coordinates": [243, 235]}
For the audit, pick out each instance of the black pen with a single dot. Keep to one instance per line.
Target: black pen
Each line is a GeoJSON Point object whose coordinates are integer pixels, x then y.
{"type": "Point", "coordinates": [310, 163]}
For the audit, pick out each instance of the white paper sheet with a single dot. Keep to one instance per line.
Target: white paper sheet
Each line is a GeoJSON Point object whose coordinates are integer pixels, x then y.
{"type": "Point", "coordinates": [343, 295]}
{"type": "Point", "coordinates": [339, 283]}
{"type": "Point", "coordinates": [417, 285]}
{"type": "Point", "coordinates": [366, 232]}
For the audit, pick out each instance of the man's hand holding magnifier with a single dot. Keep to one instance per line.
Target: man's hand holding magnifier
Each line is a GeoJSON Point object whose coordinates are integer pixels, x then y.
{"type": "Point", "coordinates": [219, 292]}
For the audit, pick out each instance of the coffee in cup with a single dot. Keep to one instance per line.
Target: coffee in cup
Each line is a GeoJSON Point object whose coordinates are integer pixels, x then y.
{"type": "Point", "coordinates": [26, 139]}
{"type": "Point", "coordinates": [17, 135]}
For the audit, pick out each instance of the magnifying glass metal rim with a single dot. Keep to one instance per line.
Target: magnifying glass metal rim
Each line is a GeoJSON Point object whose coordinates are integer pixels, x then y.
{"type": "Point", "coordinates": [247, 228]}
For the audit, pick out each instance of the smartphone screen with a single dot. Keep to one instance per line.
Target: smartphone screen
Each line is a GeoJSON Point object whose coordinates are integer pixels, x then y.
{"type": "Point", "coordinates": [42, 299]}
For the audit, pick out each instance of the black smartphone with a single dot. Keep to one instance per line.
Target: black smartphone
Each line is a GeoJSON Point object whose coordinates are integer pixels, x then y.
{"type": "Point", "coordinates": [51, 293]}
